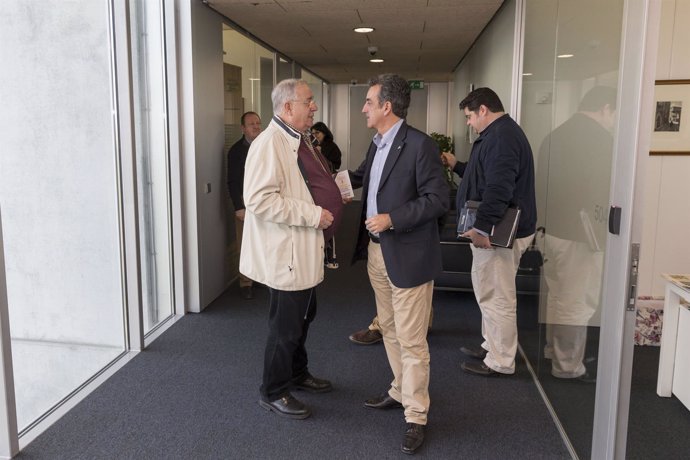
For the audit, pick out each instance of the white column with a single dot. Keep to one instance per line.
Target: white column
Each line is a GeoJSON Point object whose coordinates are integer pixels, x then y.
{"type": "Point", "coordinates": [9, 440]}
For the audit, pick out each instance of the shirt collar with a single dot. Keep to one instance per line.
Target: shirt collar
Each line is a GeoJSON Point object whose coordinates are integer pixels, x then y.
{"type": "Point", "coordinates": [388, 136]}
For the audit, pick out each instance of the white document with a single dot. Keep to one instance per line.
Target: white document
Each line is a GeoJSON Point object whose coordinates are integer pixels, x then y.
{"type": "Point", "coordinates": [342, 179]}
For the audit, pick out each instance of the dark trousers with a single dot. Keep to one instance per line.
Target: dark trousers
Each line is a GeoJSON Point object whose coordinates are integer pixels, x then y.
{"type": "Point", "coordinates": [285, 360]}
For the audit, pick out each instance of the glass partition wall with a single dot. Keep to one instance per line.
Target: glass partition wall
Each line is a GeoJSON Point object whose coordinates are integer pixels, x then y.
{"type": "Point", "coordinates": [248, 80]}
{"type": "Point", "coordinates": [60, 199]}
{"type": "Point", "coordinates": [571, 60]}
{"type": "Point", "coordinates": [152, 158]}
{"type": "Point", "coordinates": [65, 183]}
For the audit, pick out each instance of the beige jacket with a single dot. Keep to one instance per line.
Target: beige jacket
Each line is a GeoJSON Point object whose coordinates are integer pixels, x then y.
{"type": "Point", "coordinates": [282, 246]}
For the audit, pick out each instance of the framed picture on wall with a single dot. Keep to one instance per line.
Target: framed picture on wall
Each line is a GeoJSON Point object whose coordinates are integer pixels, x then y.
{"type": "Point", "coordinates": [671, 129]}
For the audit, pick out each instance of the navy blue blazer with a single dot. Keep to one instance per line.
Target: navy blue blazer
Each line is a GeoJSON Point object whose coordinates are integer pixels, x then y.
{"type": "Point", "coordinates": [414, 192]}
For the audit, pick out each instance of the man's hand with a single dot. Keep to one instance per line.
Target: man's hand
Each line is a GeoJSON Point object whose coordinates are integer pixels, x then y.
{"type": "Point", "coordinates": [326, 219]}
{"type": "Point", "coordinates": [478, 240]}
{"type": "Point", "coordinates": [240, 214]}
{"type": "Point", "coordinates": [347, 200]}
{"type": "Point", "coordinates": [378, 223]}
{"type": "Point", "coordinates": [448, 159]}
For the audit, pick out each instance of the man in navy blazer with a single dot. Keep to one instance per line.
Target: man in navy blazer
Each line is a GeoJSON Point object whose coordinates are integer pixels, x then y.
{"type": "Point", "coordinates": [404, 194]}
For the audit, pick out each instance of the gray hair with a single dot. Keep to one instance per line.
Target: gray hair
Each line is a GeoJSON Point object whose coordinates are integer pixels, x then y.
{"type": "Point", "coordinates": [395, 89]}
{"type": "Point", "coordinates": [285, 91]}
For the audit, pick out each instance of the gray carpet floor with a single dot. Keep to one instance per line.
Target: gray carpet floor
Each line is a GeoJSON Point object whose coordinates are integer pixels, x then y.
{"type": "Point", "coordinates": [193, 393]}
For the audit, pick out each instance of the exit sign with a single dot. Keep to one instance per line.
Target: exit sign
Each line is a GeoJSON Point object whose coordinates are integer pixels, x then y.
{"type": "Point", "coordinates": [416, 84]}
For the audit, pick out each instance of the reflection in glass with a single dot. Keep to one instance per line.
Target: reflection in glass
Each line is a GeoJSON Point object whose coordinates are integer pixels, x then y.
{"type": "Point", "coordinates": [568, 114]}
{"type": "Point", "coordinates": [575, 237]}
{"type": "Point", "coordinates": [151, 134]}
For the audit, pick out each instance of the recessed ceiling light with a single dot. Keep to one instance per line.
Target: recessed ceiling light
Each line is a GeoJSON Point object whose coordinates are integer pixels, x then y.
{"type": "Point", "coordinates": [564, 56]}
{"type": "Point", "coordinates": [363, 30]}
{"type": "Point", "coordinates": [376, 60]}
{"type": "Point", "coordinates": [527, 74]}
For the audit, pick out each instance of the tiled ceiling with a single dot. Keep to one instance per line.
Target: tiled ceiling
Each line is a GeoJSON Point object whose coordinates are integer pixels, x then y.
{"type": "Point", "coordinates": [419, 39]}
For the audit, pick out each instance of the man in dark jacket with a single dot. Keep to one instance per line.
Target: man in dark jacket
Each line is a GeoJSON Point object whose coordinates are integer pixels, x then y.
{"type": "Point", "coordinates": [237, 156]}
{"type": "Point", "coordinates": [404, 194]}
{"type": "Point", "coordinates": [500, 173]}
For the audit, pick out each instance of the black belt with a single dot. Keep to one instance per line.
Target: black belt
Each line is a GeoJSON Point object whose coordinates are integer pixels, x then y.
{"type": "Point", "coordinates": [374, 239]}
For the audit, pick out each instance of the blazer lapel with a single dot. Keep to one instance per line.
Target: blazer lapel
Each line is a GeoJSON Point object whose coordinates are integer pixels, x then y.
{"type": "Point", "coordinates": [367, 171]}
{"type": "Point", "coordinates": [393, 153]}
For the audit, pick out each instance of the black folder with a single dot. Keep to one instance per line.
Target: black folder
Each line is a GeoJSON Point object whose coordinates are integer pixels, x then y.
{"type": "Point", "coordinates": [502, 234]}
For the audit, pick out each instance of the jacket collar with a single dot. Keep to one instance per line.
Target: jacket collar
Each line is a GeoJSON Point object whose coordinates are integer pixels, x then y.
{"type": "Point", "coordinates": [493, 125]}
{"type": "Point", "coordinates": [290, 131]}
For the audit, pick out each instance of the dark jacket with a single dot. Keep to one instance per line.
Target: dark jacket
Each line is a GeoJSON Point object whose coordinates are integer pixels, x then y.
{"type": "Point", "coordinates": [414, 192]}
{"type": "Point", "coordinates": [500, 173]}
{"type": "Point", "coordinates": [332, 153]}
{"type": "Point", "coordinates": [237, 157]}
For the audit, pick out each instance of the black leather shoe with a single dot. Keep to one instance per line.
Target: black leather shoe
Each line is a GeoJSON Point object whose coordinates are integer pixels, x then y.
{"type": "Point", "coordinates": [413, 438]}
{"type": "Point", "coordinates": [383, 401]}
{"type": "Point", "coordinates": [313, 385]}
{"type": "Point", "coordinates": [478, 369]}
{"type": "Point", "coordinates": [478, 353]}
{"type": "Point", "coordinates": [287, 406]}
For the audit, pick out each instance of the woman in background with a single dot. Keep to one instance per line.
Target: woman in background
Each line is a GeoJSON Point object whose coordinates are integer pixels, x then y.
{"type": "Point", "coordinates": [328, 148]}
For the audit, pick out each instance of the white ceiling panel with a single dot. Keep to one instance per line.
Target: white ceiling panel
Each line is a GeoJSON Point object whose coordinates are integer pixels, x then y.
{"type": "Point", "coordinates": [417, 38]}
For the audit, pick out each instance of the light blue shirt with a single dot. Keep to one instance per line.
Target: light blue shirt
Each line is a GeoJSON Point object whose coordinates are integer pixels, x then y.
{"type": "Point", "coordinates": [383, 146]}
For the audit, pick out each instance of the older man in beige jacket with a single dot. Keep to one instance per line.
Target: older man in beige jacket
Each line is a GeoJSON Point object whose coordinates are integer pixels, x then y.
{"type": "Point", "coordinates": [292, 204]}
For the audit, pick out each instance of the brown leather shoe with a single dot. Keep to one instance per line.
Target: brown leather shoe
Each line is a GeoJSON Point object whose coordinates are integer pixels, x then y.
{"type": "Point", "coordinates": [366, 337]}
{"type": "Point", "coordinates": [413, 438]}
{"type": "Point", "coordinates": [383, 401]}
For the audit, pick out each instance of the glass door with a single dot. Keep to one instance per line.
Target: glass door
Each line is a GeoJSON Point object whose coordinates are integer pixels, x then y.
{"type": "Point", "coordinates": [578, 107]}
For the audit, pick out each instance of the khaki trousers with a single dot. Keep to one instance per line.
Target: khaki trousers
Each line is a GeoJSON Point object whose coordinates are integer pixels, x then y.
{"type": "Point", "coordinates": [239, 227]}
{"type": "Point", "coordinates": [374, 326]}
{"type": "Point", "coordinates": [493, 281]}
{"type": "Point", "coordinates": [403, 316]}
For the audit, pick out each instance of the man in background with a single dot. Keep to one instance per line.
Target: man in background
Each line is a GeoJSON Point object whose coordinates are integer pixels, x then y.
{"type": "Point", "coordinates": [250, 123]}
{"type": "Point", "coordinates": [499, 174]}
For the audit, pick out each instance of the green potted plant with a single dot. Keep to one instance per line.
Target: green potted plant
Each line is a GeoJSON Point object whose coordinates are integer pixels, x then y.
{"type": "Point", "coordinates": [445, 144]}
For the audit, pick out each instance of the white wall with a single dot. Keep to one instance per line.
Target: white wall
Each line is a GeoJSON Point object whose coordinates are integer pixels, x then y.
{"type": "Point", "coordinates": [489, 63]}
{"type": "Point", "coordinates": [201, 101]}
{"type": "Point", "coordinates": [436, 108]}
{"type": "Point", "coordinates": [340, 125]}
{"type": "Point", "coordinates": [665, 247]}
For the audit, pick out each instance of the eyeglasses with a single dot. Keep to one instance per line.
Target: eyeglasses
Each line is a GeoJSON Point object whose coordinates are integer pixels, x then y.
{"type": "Point", "coordinates": [308, 102]}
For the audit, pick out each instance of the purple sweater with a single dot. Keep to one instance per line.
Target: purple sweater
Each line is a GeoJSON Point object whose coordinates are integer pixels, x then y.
{"type": "Point", "coordinates": [323, 188]}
